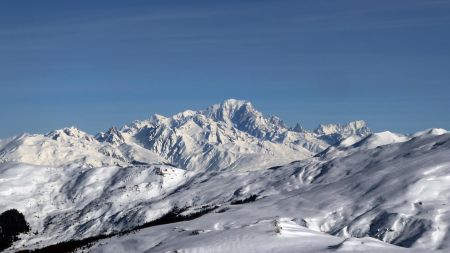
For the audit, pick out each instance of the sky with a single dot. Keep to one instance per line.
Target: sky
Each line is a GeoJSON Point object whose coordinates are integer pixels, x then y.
{"type": "Point", "coordinates": [97, 64]}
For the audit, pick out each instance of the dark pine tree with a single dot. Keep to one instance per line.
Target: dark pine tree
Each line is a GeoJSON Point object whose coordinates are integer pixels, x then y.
{"type": "Point", "coordinates": [12, 223]}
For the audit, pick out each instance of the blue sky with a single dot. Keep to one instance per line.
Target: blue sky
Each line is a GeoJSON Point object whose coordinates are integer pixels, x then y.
{"type": "Point", "coordinates": [96, 64]}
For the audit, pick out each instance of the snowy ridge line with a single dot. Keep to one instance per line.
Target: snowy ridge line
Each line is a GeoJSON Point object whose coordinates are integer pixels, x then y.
{"type": "Point", "coordinates": [345, 182]}
{"type": "Point", "coordinates": [333, 197]}
{"type": "Point", "coordinates": [231, 135]}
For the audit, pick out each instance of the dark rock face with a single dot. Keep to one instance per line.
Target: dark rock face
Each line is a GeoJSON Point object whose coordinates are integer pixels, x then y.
{"type": "Point", "coordinates": [12, 223]}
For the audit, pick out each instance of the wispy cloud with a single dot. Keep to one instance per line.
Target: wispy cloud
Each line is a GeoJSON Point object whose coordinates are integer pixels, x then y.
{"type": "Point", "coordinates": [379, 16]}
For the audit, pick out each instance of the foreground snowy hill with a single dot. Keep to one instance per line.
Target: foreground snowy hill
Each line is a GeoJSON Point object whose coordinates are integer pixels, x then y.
{"type": "Point", "coordinates": [264, 235]}
{"type": "Point", "coordinates": [206, 182]}
{"type": "Point", "coordinates": [397, 193]}
{"type": "Point", "coordinates": [65, 202]}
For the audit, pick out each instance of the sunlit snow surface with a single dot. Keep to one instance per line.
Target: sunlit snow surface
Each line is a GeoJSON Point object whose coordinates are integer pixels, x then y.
{"type": "Point", "coordinates": [215, 233]}
{"type": "Point", "coordinates": [232, 135]}
{"type": "Point", "coordinates": [368, 192]}
{"type": "Point", "coordinates": [397, 193]}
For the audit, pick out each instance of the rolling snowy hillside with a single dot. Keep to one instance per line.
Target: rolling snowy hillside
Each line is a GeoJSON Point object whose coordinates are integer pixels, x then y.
{"type": "Point", "coordinates": [233, 180]}
{"type": "Point", "coordinates": [396, 193]}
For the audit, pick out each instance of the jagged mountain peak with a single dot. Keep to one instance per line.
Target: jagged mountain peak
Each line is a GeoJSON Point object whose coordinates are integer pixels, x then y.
{"type": "Point", "coordinates": [231, 111]}
{"type": "Point", "coordinates": [357, 124]}
{"type": "Point", "coordinates": [157, 117]}
{"type": "Point", "coordinates": [113, 136]}
{"type": "Point", "coordinates": [230, 134]}
{"type": "Point", "coordinates": [243, 116]}
{"type": "Point", "coordinates": [68, 132]}
{"type": "Point", "coordinates": [354, 127]}
{"type": "Point", "coordinates": [298, 128]}
{"type": "Point", "coordinates": [233, 104]}
{"type": "Point", "coordinates": [196, 139]}
{"type": "Point", "coordinates": [185, 114]}
{"type": "Point", "coordinates": [335, 133]}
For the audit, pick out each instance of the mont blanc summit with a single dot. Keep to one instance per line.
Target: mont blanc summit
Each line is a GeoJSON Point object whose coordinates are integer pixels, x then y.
{"type": "Point", "coordinates": [196, 172]}
{"type": "Point", "coordinates": [227, 178]}
{"type": "Point", "coordinates": [228, 135]}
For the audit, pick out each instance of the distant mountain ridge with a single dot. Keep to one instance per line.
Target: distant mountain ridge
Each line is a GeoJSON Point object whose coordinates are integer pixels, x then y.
{"type": "Point", "coordinates": [229, 169]}
{"type": "Point", "coordinates": [227, 135]}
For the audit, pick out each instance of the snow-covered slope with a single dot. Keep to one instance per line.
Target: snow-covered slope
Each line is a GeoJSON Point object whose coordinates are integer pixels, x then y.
{"type": "Point", "coordinates": [397, 193]}
{"type": "Point", "coordinates": [66, 202]}
{"type": "Point", "coordinates": [248, 182]}
{"type": "Point", "coordinates": [355, 143]}
{"type": "Point", "coordinates": [71, 147]}
{"type": "Point", "coordinates": [213, 233]}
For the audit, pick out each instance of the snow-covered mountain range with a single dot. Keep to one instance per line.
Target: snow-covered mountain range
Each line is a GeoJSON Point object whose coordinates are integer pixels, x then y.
{"type": "Point", "coordinates": [247, 179]}
{"type": "Point", "coordinates": [228, 135]}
